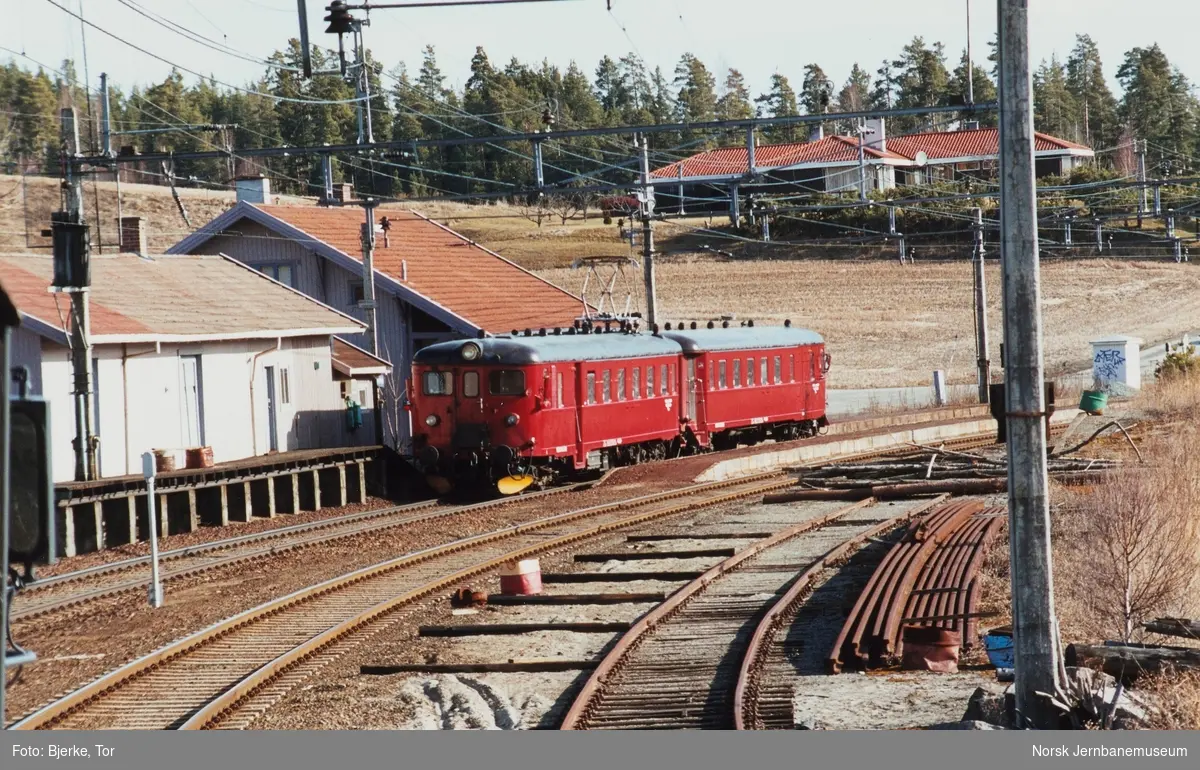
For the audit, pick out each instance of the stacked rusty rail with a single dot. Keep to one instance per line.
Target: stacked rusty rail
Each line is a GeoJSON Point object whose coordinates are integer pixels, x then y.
{"type": "Point", "coordinates": [871, 633]}
{"type": "Point", "coordinates": [947, 590]}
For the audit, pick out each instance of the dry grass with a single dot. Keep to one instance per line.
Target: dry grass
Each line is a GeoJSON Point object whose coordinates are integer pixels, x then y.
{"type": "Point", "coordinates": [890, 325]}
{"type": "Point", "coordinates": [1177, 696]}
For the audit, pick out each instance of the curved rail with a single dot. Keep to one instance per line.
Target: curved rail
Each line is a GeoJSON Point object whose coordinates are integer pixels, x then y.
{"type": "Point", "coordinates": [225, 693]}
{"type": "Point", "coordinates": [745, 696]}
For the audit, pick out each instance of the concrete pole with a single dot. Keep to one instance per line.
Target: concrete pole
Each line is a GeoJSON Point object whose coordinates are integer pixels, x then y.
{"type": "Point", "coordinates": [970, 66]}
{"type": "Point", "coordinates": [149, 471]}
{"type": "Point", "coordinates": [5, 433]}
{"type": "Point", "coordinates": [1140, 148]}
{"type": "Point", "coordinates": [368, 273]}
{"type": "Point", "coordinates": [862, 163]}
{"type": "Point", "coordinates": [105, 117]}
{"type": "Point", "coordinates": [1035, 628]}
{"type": "Point", "coordinates": [648, 235]}
{"type": "Point", "coordinates": [983, 363]}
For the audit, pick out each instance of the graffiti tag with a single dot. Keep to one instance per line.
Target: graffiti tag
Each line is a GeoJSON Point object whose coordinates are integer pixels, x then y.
{"type": "Point", "coordinates": [1108, 364]}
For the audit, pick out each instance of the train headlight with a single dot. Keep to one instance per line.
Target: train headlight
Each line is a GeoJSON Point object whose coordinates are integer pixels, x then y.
{"type": "Point", "coordinates": [432, 420]}
{"type": "Point", "coordinates": [511, 420]}
{"type": "Point", "coordinates": [471, 351]}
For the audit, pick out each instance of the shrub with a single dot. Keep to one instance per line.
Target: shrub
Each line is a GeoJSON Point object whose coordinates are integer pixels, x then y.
{"type": "Point", "coordinates": [1181, 361]}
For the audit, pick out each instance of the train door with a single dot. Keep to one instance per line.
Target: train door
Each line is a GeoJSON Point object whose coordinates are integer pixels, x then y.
{"type": "Point", "coordinates": [468, 399]}
{"type": "Point", "coordinates": [691, 385]}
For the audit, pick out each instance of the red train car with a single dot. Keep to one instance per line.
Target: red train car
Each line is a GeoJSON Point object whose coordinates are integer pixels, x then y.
{"type": "Point", "coordinates": [544, 405]}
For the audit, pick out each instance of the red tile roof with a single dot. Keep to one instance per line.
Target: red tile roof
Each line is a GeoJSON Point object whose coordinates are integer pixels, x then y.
{"type": "Point", "coordinates": [473, 283]}
{"type": "Point", "coordinates": [963, 144]}
{"type": "Point", "coordinates": [351, 360]}
{"type": "Point", "coordinates": [173, 296]}
{"type": "Point", "coordinates": [728, 161]}
{"type": "Point", "coordinates": [723, 161]}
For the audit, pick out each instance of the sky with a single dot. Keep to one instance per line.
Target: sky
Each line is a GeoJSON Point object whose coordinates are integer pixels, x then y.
{"type": "Point", "coordinates": [758, 37]}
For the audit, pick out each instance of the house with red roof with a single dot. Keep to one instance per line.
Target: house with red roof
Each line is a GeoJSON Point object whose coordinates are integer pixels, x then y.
{"type": "Point", "coordinates": [431, 283]}
{"type": "Point", "coordinates": [188, 351]}
{"type": "Point", "coordinates": [716, 178]}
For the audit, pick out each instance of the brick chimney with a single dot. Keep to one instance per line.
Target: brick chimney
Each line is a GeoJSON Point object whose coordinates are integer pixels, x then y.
{"type": "Point", "coordinates": [343, 193]}
{"type": "Point", "coordinates": [133, 235]}
{"type": "Point", "coordinates": [253, 189]}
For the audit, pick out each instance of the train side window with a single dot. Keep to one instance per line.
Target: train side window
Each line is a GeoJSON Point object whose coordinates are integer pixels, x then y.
{"type": "Point", "coordinates": [438, 383]}
{"type": "Point", "coordinates": [559, 390]}
{"type": "Point", "coordinates": [471, 384]}
{"type": "Point", "coordinates": [607, 388]}
{"type": "Point", "coordinates": [737, 372]}
{"type": "Point", "coordinates": [712, 376]}
{"type": "Point", "coordinates": [591, 387]}
{"type": "Point", "coordinates": [778, 370]}
{"type": "Point", "coordinates": [620, 384]}
{"type": "Point", "coordinates": [662, 385]}
{"type": "Point", "coordinates": [674, 386]}
{"type": "Point", "coordinates": [749, 372]}
{"type": "Point", "coordinates": [721, 374]}
{"type": "Point", "coordinates": [649, 382]}
{"type": "Point", "coordinates": [637, 382]}
{"type": "Point", "coordinates": [791, 368]}
{"type": "Point", "coordinates": [762, 379]}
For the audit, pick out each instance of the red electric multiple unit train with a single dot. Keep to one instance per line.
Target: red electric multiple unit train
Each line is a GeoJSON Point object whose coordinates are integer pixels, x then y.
{"type": "Point", "coordinates": [546, 405]}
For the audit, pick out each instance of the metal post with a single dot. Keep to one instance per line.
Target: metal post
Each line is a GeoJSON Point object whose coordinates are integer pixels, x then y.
{"type": "Point", "coordinates": [1140, 148]}
{"type": "Point", "coordinates": [648, 235]}
{"type": "Point", "coordinates": [862, 162]}
{"type": "Point", "coordinates": [81, 358]}
{"type": "Point", "coordinates": [681, 209]}
{"type": "Point", "coordinates": [735, 205]}
{"type": "Point", "coordinates": [1170, 223]}
{"type": "Point", "coordinates": [105, 117]}
{"type": "Point", "coordinates": [970, 66]}
{"type": "Point", "coordinates": [750, 164]}
{"type": "Point", "coordinates": [1035, 628]}
{"type": "Point", "coordinates": [538, 169]}
{"type": "Point", "coordinates": [1099, 236]}
{"type": "Point", "coordinates": [1067, 230]}
{"type": "Point", "coordinates": [5, 438]}
{"type": "Point", "coordinates": [1158, 200]}
{"type": "Point", "coordinates": [149, 470]}
{"type": "Point", "coordinates": [327, 178]}
{"type": "Point", "coordinates": [983, 362]}
{"type": "Point", "coordinates": [368, 274]}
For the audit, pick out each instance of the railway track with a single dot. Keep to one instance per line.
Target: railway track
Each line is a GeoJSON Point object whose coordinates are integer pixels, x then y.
{"type": "Point", "coordinates": [229, 672]}
{"type": "Point", "coordinates": [680, 665]}
{"type": "Point", "coordinates": [76, 588]}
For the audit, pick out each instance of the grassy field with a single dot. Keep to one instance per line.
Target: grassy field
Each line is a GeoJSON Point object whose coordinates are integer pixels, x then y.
{"type": "Point", "coordinates": [887, 324]}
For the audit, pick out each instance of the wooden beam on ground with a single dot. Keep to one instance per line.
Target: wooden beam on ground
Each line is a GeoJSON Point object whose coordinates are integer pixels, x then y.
{"type": "Point", "coordinates": [1188, 629]}
{"type": "Point", "coordinates": [619, 577]}
{"type": "Point", "coordinates": [505, 600]}
{"type": "Point", "coordinates": [639, 555]}
{"type": "Point", "coordinates": [508, 629]}
{"type": "Point", "coordinates": [509, 667]}
{"type": "Point", "coordinates": [1128, 663]}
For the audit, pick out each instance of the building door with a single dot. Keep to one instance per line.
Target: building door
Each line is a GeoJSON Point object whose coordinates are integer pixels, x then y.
{"type": "Point", "coordinates": [192, 391]}
{"type": "Point", "coordinates": [96, 413]}
{"type": "Point", "coordinates": [272, 416]}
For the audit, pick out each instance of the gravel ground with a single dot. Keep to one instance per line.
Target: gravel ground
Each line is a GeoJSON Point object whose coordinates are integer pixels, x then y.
{"type": "Point", "coordinates": [886, 701]}
{"type": "Point", "coordinates": [335, 697]}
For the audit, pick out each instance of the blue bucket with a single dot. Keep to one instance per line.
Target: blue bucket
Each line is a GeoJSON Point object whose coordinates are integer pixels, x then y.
{"type": "Point", "coordinates": [999, 646]}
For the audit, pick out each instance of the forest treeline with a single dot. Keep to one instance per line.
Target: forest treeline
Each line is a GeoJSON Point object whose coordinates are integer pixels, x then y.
{"type": "Point", "coordinates": [1073, 100]}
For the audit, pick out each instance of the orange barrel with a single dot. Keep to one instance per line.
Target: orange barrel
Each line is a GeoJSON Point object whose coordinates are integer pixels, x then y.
{"type": "Point", "coordinates": [521, 577]}
{"type": "Point", "coordinates": [199, 457]}
{"type": "Point", "coordinates": [930, 649]}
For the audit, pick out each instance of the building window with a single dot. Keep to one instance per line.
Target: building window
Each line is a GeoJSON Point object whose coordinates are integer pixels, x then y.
{"type": "Point", "coordinates": [356, 293]}
{"type": "Point", "coordinates": [778, 370]}
{"type": "Point", "coordinates": [607, 389]}
{"type": "Point", "coordinates": [749, 372]}
{"type": "Point", "coordinates": [285, 390]}
{"type": "Point", "coordinates": [737, 372]}
{"type": "Point", "coordinates": [591, 387]}
{"type": "Point", "coordinates": [471, 384]}
{"type": "Point", "coordinates": [637, 382]}
{"type": "Point", "coordinates": [649, 382]}
{"type": "Point", "coordinates": [621, 385]}
{"type": "Point", "coordinates": [281, 273]}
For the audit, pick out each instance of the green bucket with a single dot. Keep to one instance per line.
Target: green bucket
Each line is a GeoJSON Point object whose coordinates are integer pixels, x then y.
{"type": "Point", "coordinates": [1093, 401]}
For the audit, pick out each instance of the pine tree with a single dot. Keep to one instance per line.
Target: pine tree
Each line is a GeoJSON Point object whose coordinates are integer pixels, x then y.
{"type": "Point", "coordinates": [734, 103]}
{"type": "Point", "coordinates": [1096, 107]}
{"type": "Point", "coordinates": [1054, 107]}
{"type": "Point", "coordinates": [985, 90]}
{"type": "Point", "coordinates": [1151, 95]}
{"type": "Point", "coordinates": [921, 81]}
{"type": "Point", "coordinates": [883, 93]}
{"type": "Point", "coordinates": [611, 90]}
{"type": "Point", "coordinates": [33, 135]}
{"type": "Point", "coordinates": [816, 92]}
{"type": "Point", "coordinates": [780, 102]}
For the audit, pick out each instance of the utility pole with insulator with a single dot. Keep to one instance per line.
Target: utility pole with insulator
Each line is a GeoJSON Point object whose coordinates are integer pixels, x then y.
{"type": "Point", "coordinates": [1035, 628]}
{"type": "Point", "coordinates": [648, 236]}
{"type": "Point", "coordinates": [368, 276]}
{"type": "Point", "coordinates": [1140, 148]}
{"type": "Point", "coordinates": [983, 362]}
